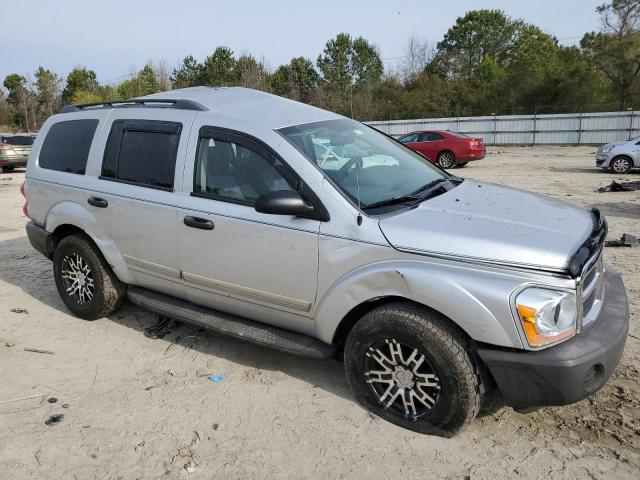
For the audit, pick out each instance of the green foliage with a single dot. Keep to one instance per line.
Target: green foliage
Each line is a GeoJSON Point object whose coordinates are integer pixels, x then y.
{"type": "Point", "coordinates": [298, 80]}
{"type": "Point", "coordinates": [143, 83]}
{"type": "Point", "coordinates": [218, 69]}
{"type": "Point", "coordinates": [79, 79]}
{"type": "Point", "coordinates": [187, 74]}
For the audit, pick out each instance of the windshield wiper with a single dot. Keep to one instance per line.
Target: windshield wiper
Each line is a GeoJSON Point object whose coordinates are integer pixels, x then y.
{"type": "Point", "coordinates": [421, 194]}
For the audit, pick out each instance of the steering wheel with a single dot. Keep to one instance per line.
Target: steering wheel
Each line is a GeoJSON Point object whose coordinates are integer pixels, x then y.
{"type": "Point", "coordinates": [344, 170]}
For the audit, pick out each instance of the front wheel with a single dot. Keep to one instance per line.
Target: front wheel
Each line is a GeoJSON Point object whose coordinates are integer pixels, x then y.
{"type": "Point", "coordinates": [621, 165]}
{"type": "Point", "coordinates": [446, 160]}
{"type": "Point", "coordinates": [409, 366]}
{"type": "Point", "coordinates": [84, 280]}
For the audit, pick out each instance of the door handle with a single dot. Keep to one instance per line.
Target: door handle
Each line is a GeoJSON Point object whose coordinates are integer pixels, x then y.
{"type": "Point", "coordinates": [196, 222]}
{"type": "Point", "coordinates": [98, 202]}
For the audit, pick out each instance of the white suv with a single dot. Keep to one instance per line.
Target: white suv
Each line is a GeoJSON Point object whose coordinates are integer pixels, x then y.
{"type": "Point", "coordinates": [296, 228]}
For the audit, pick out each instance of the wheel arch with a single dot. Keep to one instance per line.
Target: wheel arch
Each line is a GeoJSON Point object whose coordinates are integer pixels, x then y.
{"type": "Point", "coordinates": [66, 218]}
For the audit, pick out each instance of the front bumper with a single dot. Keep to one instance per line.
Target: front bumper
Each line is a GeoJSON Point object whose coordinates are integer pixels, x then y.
{"type": "Point", "coordinates": [602, 160]}
{"type": "Point", "coordinates": [571, 371]}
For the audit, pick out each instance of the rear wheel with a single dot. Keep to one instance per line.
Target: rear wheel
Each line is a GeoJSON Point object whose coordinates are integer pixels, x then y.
{"type": "Point", "coordinates": [621, 165]}
{"type": "Point", "coordinates": [84, 280]}
{"type": "Point", "coordinates": [409, 366]}
{"type": "Point", "coordinates": [446, 160]}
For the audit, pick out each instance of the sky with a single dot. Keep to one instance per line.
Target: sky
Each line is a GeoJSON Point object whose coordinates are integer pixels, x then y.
{"type": "Point", "coordinates": [115, 37]}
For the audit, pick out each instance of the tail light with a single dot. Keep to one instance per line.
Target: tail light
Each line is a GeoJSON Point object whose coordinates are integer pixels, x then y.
{"type": "Point", "coordinates": [25, 207]}
{"type": "Point", "coordinates": [5, 146]}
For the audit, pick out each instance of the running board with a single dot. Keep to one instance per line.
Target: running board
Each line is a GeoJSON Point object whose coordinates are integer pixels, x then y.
{"type": "Point", "coordinates": [227, 324]}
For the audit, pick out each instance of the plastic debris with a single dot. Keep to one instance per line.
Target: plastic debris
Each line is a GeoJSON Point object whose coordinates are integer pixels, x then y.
{"type": "Point", "coordinates": [54, 419]}
{"type": "Point", "coordinates": [219, 378]}
{"type": "Point", "coordinates": [626, 240]}
{"type": "Point", "coordinates": [160, 329]}
{"type": "Point", "coordinates": [620, 187]}
{"type": "Point", "coordinates": [35, 350]}
{"type": "Point", "coordinates": [19, 310]}
{"type": "Point", "coordinates": [20, 404]}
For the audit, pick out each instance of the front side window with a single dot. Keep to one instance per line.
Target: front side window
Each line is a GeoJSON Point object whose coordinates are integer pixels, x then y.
{"type": "Point", "coordinates": [66, 146]}
{"type": "Point", "coordinates": [365, 164]}
{"type": "Point", "coordinates": [228, 168]}
{"type": "Point", "coordinates": [410, 138]}
{"type": "Point", "coordinates": [142, 153]}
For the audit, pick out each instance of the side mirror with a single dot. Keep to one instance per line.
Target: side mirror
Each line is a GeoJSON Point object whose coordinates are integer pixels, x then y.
{"type": "Point", "coordinates": [283, 202]}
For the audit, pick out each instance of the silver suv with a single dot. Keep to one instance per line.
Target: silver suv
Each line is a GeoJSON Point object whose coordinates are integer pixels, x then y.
{"type": "Point", "coordinates": [296, 228]}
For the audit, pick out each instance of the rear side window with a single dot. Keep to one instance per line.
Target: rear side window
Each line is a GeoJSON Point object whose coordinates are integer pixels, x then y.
{"type": "Point", "coordinates": [142, 152]}
{"type": "Point", "coordinates": [18, 140]}
{"type": "Point", "coordinates": [66, 146]}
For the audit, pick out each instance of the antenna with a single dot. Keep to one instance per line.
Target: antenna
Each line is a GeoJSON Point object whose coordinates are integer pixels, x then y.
{"type": "Point", "coordinates": [359, 219]}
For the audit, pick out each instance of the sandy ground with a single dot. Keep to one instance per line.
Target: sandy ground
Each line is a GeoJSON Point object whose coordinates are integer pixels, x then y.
{"type": "Point", "coordinates": [143, 408]}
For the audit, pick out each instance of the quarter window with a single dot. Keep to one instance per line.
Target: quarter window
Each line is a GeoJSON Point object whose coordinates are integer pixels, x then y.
{"type": "Point", "coordinates": [228, 168]}
{"type": "Point", "coordinates": [66, 146]}
{"type": "Point", "coordinates": [142, 152]}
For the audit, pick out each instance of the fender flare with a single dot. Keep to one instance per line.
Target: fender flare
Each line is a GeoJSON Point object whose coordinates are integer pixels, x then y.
{"type": "Point", "coordinates": [71, 213]}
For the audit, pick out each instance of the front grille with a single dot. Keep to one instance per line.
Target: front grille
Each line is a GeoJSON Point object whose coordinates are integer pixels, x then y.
{"type": "Point", "coordinates": [592, 289]}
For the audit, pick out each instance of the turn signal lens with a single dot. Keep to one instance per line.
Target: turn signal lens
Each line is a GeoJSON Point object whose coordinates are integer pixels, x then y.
{"type": "Point", "coordinates": [546, 316]}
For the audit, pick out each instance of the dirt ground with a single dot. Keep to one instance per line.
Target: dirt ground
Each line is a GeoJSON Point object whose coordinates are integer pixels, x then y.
{"type": "Point", "coordinates": [136, 407]}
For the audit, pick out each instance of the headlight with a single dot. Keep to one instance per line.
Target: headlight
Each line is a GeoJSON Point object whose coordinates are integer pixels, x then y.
{"type": "Point", "coordinates": [607, 149]}
{"type": "Point", "coordinates": [546, 316]}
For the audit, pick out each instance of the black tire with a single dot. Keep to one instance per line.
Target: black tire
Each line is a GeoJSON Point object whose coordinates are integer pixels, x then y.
{"type": "Point", "coordinates": [456, 400]}
{"type": "Point", "coordinates": [621, 165]}
{"type": "Point", "coordinates": [7, 169]}
{"type": "Point", "coordinates": [107, 292]}
{"type": "Point", "coordinates": [446, 160]}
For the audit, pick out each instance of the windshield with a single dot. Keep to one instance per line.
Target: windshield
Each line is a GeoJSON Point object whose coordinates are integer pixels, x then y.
{"type": "Point", "coordinates": [360, 159]}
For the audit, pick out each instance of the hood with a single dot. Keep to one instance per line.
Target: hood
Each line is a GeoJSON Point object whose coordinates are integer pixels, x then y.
{"type": "Point", "coordinates": [614, 144]}
{"type": "Point", "coordinates": [492, 223]}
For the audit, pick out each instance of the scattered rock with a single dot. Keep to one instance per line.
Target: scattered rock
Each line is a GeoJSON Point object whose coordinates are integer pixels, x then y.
{"type": "Point", "coordinates": [19, 310]}
{"type": "Point", "coordinates": [9, 344]}
{"type": "Point", "coordinates": [54, 419]}
{"type": "Point", "coordinates": [190, 467]}
{"type": "Point", "coordinates": [52, 400]}
{"type": "Point", "coordinates": [65, 405]}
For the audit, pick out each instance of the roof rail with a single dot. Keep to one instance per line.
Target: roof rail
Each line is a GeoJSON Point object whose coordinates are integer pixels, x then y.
{"type": "Point", "coordinates": [180, 104]}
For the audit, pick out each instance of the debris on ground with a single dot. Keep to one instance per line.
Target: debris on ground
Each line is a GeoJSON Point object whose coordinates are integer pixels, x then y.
{"type": "Point", "coordinates": [9, 344]}
{"type": "Point", "coordinates": [52, 400]}
{"type": "Point", "coordinates": [20, 404]}
{"type": "Point", "coordinates": [19, 310]}
{"type": "Point", "coordinates": [626, 240]}
{"type": "Point", "coordinates": [160, 329]}
{"type": "Point", "coordinates": [190, 467]}
{"type": "Point", "coordinates": [218, 378]}
{"type": "Point", "coordinates": [36, 350]}
{"type": "Point", "coordinates": [620, 187]}
{"type": "Point", "coordinates": [54, 419]}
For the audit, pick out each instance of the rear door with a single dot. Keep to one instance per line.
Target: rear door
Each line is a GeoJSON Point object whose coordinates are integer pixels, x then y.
{"type": "Point", "coordinates": [134, 198]}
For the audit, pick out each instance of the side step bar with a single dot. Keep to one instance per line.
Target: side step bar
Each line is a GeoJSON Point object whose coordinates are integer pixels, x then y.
{"type": "Point", "coordinates": [227, 324]}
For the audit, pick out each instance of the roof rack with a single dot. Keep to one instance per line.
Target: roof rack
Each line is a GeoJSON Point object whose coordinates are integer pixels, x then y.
{"type": "Point", "coordinates": [179, 104]}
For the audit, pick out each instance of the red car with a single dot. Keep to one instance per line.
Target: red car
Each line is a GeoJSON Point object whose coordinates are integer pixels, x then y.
{"type": "Point", "coordinates": [444, 148]}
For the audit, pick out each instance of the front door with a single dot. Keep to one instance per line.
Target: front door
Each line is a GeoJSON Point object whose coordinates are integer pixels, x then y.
{"type": "Point", "coordinates": [234, 259]}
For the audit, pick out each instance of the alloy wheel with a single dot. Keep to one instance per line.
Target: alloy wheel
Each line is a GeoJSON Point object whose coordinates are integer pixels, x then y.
{"type": "Point", "coordinates": [445, 160]}
{"type": "Point", "coordinates": [620, 165]}
{"type": "Point", "coordinates": [402, 378]}
{"type": "Point", "coordinates": [77, 278]}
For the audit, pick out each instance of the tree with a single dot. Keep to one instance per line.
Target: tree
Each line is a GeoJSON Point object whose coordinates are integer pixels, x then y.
{"type": "Point", "coordinates": [21, 100]}
{"type": "Point", "coordinates": [188, 74]}
{"type": "Point", "coordinates": [79, 79]}
{"type": "Point", "coordinates": [47, 89]}
{"type": "Point", "coordinates": [250, 73]}
{"type": "Point", "coordinates": [615, 49]}
{"type": "Point", "coordinates": [142, 83]}
{"type": "Point", "coordinates": [346, 64]}
{"type": "Point", "coordinates": [418, 54]}
{"type": "Point", "coordinates": [480, 33]}
{"type": "Point", "coordinates": [218, 69]}
{"type": "Point", "coordinates": [298, 80]}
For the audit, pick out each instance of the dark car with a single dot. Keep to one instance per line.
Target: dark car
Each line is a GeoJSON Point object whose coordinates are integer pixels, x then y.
{"type": "Point", "coordinates": [14, 151]}
{"type": "Point", "coordinates": [444, 148]}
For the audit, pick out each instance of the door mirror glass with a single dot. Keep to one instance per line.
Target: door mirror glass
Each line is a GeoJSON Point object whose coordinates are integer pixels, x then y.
{"type": "Point", "coordinates": [283, 203]}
